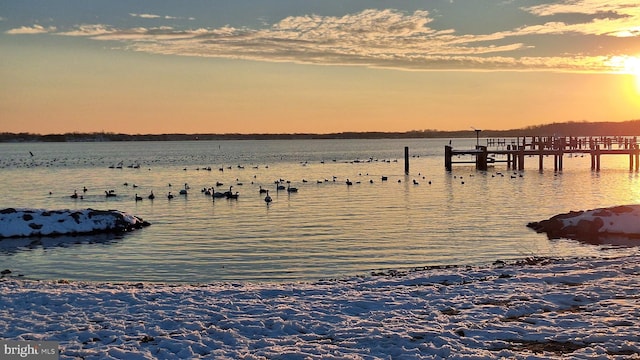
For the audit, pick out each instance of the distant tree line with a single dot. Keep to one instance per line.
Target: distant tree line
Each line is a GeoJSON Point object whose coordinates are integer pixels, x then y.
{"type": "Point", "coordinates": [571, 128]}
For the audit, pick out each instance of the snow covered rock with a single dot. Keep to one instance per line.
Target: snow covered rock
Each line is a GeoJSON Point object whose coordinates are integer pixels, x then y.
{"type": "Point", "coordinates": [41, 222]}
{"type": "Point", "coordinates": [589, 224]}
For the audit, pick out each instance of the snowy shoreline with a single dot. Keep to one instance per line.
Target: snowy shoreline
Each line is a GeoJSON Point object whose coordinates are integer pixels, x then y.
{"type": "Point", "coordinates": [621, 221]}
{"type": "Point", "coordinates": [534, 309]}
{"type": "Point", "coordinates": [27, 222]}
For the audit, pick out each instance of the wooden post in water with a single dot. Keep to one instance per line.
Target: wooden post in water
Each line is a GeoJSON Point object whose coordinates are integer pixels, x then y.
{"type": "Point", "coordinates": [540, 156]}
{"type": "Point", "coordinates": [563, 145]}
{"type": "Point", "coordinates": [521, 157]}
{"type": "Point", "coordinates": [558, 153]}
{"type": "Point", "coordinates": [406, 160]}
{"type": "Point", "coordinates": [447, 157]}
{"type": "Point", "coordinates": [634, 153]}
{"type": "Point", "coordinates": [481, 158]}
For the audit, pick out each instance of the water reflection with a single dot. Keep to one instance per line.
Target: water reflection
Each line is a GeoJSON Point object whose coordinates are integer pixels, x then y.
{"type": "Point", "coordinates": [611, 240]}
{"type": "Point", "coordinates": [12, 246]}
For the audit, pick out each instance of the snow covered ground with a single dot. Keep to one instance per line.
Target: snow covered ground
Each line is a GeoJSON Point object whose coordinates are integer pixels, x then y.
{"type": "Point", "coordinates": [590, 224]}
{"type": "Point", "coordinates": [534, 309]}
{"type": "Point", "coordinates": [40, 222]}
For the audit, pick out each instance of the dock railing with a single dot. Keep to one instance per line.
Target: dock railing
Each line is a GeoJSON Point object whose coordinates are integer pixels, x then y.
{"type": "Point", "coordinates": [513, 151]}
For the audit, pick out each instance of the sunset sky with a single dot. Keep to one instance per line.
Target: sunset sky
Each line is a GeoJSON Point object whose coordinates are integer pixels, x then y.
{"type": "Point", "coordinates": [318, 66]}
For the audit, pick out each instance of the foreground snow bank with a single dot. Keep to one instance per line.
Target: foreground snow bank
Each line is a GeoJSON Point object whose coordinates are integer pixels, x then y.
{"type": "Point", "coordinates": [40, 222]}
{"type": "Point", "coordinates": [619, 220]}
{"type": "Point", "coordinates": [534, 309]}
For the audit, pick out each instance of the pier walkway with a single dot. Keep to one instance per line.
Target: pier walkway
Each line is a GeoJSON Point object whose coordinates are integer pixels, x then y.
{"type": "Point", "coordinates": [514, 151]}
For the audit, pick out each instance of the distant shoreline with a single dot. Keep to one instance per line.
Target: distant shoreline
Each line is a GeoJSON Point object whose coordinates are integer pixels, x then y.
{"type": "Point", "coordinates": [625, 128]}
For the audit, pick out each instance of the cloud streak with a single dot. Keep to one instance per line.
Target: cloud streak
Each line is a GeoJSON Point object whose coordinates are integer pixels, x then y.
{"type": "Point", "coordinates": [35, 29]}
{"type": "Point", "coordinates": [154, 16]}
{"type": "Point", "coordinates": [387, 39]}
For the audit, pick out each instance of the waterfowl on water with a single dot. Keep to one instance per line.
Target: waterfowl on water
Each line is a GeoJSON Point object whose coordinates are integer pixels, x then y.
{"type": "Point", "coordinates": [218, 194]}
{"type": "Point", "coordinates": [138, 197]}
{"type": "Point", "coordinates": [169, 195]}
{"type": "Point", "coordinates": [151, 196]}
{"type": "Point", "coordinates": [267, 198]}
{"type": "Point", "coordinates": [231, 195]}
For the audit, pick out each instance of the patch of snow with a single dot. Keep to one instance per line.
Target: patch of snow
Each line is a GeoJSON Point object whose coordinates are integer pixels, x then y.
{"type": "Point", "coordinates": [538, 309]}
{"type": "Point", "coordinates": [24, 222]}
{"type": "Point", "coordinates": [589, 224]}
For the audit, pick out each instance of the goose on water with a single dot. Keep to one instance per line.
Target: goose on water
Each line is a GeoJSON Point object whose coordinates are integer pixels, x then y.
{"type": "Point", "coordinates": [267, 198]}
{"type": "Point", "coordinates": [218, 194]}
{"type": "Point", "coordinates": [231, 195]}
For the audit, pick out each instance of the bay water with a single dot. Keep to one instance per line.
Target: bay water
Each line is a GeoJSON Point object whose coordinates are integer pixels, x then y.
{"type": "Point", "coordinates": [327, 229]}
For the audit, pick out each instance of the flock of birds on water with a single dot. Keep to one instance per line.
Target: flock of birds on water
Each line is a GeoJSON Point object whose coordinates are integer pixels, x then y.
{"type": "Point", "coordinates": [229, 194]}
{"type": "Point", "coordinates": [234, 195]}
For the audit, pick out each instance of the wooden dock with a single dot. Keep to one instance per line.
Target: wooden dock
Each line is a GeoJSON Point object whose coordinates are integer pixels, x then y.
{"type": "Point", "coordinates": [514, 151]}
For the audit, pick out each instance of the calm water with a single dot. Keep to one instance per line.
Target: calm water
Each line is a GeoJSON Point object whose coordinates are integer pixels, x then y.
{"type": "Point", "coordinates": [326, 229]}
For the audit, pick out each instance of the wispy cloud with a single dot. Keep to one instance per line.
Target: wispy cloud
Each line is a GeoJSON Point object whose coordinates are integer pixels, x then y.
{"type": "Point", "coordinates": [618, 18]}
{"type": "Point", "coordinates": [154, 16]}
{"type": "Point", "coordinates": [35, 29]}
{"type": "Point", "coordinates": [146, 16]}
{"type": "Point", "coordinates": [91, 30]}
{"type": "Point", "coordinates": [388, 38]}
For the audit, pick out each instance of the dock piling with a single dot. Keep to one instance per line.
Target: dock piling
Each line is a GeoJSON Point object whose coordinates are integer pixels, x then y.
{"type": "Point", "coordinates": [406, 160]}
{"type": "Point", "coordinates": [481, 158]}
